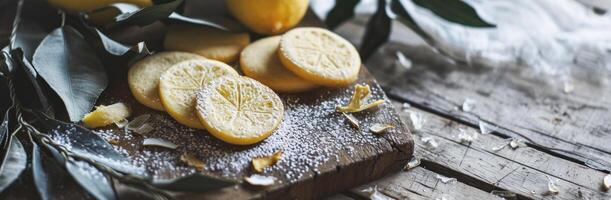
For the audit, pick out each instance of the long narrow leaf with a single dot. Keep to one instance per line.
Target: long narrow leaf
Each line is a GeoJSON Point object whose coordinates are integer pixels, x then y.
{"type": "Point", "coordinates": [456, 11]}
{"type": "Point", "coordinates": [399, 10]}
{"type": "Point", "coordinates": [47, 174]}
{"type": "Point", "coordinates": [180, 19]}
{"type": "Point", "coordinates": [85, 143]}
{"type": "Point", "coordinates": [14, 162]}
{"type": "Point", "coordinates": [147, 15]}
{"type": "Point", "coordinates": [377, 31]}
{"type": "Point", "coordinates": [92, 180]}
{"type": "Point", "coordinates": [72, 69]}
{"type": "Point", "coordinates": [342, 11]}
{"type": "Point", "coordinates": [28, 83]}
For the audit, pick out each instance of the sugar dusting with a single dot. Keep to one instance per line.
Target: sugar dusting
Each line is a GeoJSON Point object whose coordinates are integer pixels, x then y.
{"type": "Point", "coordinates": [311, 136]}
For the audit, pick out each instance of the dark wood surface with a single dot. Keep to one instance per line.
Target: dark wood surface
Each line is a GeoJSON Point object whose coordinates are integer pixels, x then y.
{"type": "Point", "coordinates": [563, 130]}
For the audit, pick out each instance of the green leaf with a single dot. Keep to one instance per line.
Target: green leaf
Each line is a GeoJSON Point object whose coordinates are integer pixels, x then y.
{"type": "Point", "coordinates": [180, 19]}
{"type": "Point", "coordinates": [6, 109]}
{"type": "Point", "coordinates": [99, 40]}
{"type": "Point", "coordinates": [28, 84]}
{"type": "Point", "coordinates": [120, 8]}
{"type": "Point", "coordinates": [147, 15]}
{"type": "Point", "coordinates": [196, 182]}
{"type": "Point", "coordinates": [111, 46]}
{"type": "Point", "coordinates": [342, 11]}
{"type": "Point", "coordinates": [92, 180]}
{"type": "Point", "coordinates": [72, 69]}
{"type": "Point", "coordinates": [397, 7]}
{"type": "Point", "coordinates": [15, 160]}
{"type": "Point", "coordinates": [456, 11]}
{"type": "Point", "coordinates": [47, 174]}
{"type": "Point", "coordinates": [377, 31]}
{"type": "Point", "coordinates": [86, 143]}
{"type": "Point", "coordinates": [28, 37]}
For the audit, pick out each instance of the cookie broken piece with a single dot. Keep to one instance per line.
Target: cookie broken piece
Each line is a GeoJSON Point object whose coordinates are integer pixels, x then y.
{"type": "Point", "coordinates": [260, 163]}
{"type": "Point", "coordinates": [357, 103]}
{"type": "Point", "coordinates": [106, 115]}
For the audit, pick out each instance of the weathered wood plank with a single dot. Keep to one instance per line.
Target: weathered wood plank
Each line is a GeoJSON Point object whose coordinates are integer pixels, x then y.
{"type": "Point", "coordinates": [420, 183]}
{"type": "Point", "coordinates": [521, 103]}
{"type": "Point", "coordinates": [522, 170]}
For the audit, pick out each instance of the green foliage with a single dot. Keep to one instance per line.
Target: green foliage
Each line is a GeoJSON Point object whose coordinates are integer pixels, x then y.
{"type": "Point", "coordinates": [379, 25]}
{"type": "Point", "coordinates": [456, 11]}
{"type": "Point", "coordinates": [70, 66]}
{"type": "Point", "coordinates": [63, 63]}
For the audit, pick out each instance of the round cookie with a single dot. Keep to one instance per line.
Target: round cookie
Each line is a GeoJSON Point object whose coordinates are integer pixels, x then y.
{"type": "Point", "coordinates": [319, 56]}
{"type": "Point", "coordinates": [259, 61]}
{"type": "Point", "coordinates": [143, 76]}
{"type": "Point", "coordinates": [208, 42]}
{"type": "Point", "coordinates": [239, 110]}
{"type": "Point", "coordinates": [179, 85]}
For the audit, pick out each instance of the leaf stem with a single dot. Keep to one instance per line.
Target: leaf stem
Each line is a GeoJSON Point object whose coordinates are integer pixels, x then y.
{"type": "Point", "coordinates": [16, 22]}
{"type": "Point", "coordinates": [68, 155]}
{"type": "Point", "coordinates": [63, 14]}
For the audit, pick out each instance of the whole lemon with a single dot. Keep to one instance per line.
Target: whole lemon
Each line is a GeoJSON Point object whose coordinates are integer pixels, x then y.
{"type": "Point", "coordinates": [89, 5]}
{"type": "Point", "coordinates": [268, 16]}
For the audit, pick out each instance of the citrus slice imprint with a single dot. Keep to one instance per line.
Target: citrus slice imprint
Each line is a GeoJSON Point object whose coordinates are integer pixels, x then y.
{"type": "Point", "coordinates": [259, 61]}
{"type": "Point", "coordinates": [210, 43]}
{"type": "Point", "coordinates": [239, 110]}
{"type": "Point", "coordinates": [319, 56]}
{"type": "Point", "coordinates": [179, 85]}
{"type": "Point", "coordinates": [143, 76]}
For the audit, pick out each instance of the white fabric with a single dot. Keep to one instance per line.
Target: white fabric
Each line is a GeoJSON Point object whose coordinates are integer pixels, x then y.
{"type": "Point", "coordinates": [551, 36]}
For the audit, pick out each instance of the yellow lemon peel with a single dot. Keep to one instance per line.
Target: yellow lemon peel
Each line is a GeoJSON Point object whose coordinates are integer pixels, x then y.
{"type": "Point", "coordinates": [361, 92]}
{"type": "Point", "coordinates": [192, 161]}
{"type": "Point", "coordinates": [106, 115]}
{"type": "Point", "coordinates": [260, 163]}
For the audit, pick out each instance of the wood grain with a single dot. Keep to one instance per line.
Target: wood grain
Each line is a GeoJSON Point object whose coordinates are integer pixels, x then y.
{"type": "Point", "coordinates": [421, 183]}
{"type": "Point", "coordinates": [521, 102]}
{"type": "Point", "coordinates": [575, 125]}
{"type": "Point", "coordinates": [521, 171]}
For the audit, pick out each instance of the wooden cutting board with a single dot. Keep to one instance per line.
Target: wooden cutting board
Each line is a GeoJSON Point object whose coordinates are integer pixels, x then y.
{"type": "Point", "coordinates": [323, 153]}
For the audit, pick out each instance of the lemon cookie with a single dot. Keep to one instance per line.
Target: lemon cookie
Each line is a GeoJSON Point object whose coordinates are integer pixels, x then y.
{"type": "Point", "coordinates": [208, 42]}
{"type": "Point", "coordinates": [320, 56]}
{"type": "Point", "coordinates": [179, 85]}
{"type": "Point", "coordinates": [259, 61]}
{"type": "Point", "coordinates": [239, 110]}
{"type": "Point", "coordinates": [143, 76]}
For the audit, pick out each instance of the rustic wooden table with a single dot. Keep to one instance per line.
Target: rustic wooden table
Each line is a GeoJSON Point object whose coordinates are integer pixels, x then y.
{"type": "Point", "coordinates": [563, 130]}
